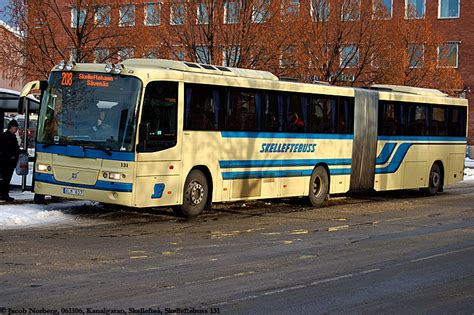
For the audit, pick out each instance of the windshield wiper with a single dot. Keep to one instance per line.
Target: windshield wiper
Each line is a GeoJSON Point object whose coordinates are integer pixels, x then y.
{"type": "Point", "coordinates": [103, 149]}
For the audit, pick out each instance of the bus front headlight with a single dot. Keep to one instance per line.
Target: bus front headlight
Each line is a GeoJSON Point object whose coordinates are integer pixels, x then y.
{"type": "Point", "coordinates": [114, 176]}
{"type": "Point", "coordinates": [44, 167]}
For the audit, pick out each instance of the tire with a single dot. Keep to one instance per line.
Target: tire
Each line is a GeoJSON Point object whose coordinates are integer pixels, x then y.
{"type": "Point", "coordinates": [318, 186]}
{"type": "Point", "coordinates": [435, 183]}
{"type": "Point", "coordinates": [196, 194]}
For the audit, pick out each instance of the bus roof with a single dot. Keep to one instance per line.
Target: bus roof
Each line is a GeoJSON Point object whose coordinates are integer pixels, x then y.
{"type": "Point", "coordinates": [200, 68]}
{"type": "Point", "coordinates": [220, 75]}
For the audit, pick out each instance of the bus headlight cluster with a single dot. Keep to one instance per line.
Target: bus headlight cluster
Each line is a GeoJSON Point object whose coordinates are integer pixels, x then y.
{"type": "Point", "coordinates": [44, 167]}
{"type": "Point", "coordinates": [112, 175]}
{"type": "Point", "coordinates": [113, 68]}
{"type": "Point", "coordinates": [68, 66]}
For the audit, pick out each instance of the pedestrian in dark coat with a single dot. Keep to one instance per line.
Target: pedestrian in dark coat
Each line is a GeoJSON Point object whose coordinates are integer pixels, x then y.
{"type": "Point", "coordinates": [9, 152]}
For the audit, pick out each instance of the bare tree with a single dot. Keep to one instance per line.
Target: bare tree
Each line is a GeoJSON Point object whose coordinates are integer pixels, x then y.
{"type": "Point", "coordinates": [53, 30]}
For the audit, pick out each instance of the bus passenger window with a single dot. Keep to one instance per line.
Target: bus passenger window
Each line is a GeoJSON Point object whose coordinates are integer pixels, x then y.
{"type": "Point", "coordinates": [201, 107]}
{"type": "Point", "coordinates": [439, 121]}
{"type": "Point", "coordinates": [241, 111]}
{"type": "Point", "coordinates": [158, 129]}
{"type": "Point", "coordinates": [322, 115]}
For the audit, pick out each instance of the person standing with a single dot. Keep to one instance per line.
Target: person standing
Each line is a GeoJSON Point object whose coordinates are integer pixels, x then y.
{"type": "Point", "coordinates": [9, 157]}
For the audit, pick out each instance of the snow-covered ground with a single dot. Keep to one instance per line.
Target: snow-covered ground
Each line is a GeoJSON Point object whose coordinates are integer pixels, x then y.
{"type": "Point", "coordinates": [469, 170]}
{"type": "Point", "coordinates": [26, 214]}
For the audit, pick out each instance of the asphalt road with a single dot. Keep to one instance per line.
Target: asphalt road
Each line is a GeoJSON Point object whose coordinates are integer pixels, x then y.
{"type": "Point", "coordinates": [393, 252]}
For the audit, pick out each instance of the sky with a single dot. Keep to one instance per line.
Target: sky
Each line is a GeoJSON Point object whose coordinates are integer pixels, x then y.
{"type": "Point", "coordinates": [3, 4]}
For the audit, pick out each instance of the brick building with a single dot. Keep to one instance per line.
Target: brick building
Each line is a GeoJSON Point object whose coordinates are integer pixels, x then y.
{"type": "Point", "coordinates": [451, 18]}
{"type": "Point", "coordinates": [16, 83]}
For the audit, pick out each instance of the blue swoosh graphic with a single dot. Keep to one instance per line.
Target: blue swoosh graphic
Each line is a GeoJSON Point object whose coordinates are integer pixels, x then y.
{"type": "Point", "coordinates": [396, 161]}
{"type": "Point", "coordinates": [386, 152]}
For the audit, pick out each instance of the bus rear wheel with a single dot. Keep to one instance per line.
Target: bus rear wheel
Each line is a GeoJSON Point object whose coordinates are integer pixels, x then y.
{"type": "Point", "coordinates": [435, 181]}
{"type": "Point", "coordinates": [318, 186]}
{"type": "Point", "coordinates": [196, 193]}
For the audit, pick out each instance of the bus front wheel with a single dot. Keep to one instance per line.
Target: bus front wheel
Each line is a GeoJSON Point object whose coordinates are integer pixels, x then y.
{"type": "Point", "coordinates": [318, 186]}
{"type": "Point", "coordinates": [196, 192]}
{"type": "Point", "coordinates": [435, 181]}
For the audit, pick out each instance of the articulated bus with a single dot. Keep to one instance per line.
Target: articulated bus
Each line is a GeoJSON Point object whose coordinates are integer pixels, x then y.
{"type": "Point", "coordinates": [152, 133]}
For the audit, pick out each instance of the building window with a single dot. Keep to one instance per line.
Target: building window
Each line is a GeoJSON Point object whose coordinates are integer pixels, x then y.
{"type": "Point", "coordinates": [320, 10]}
{"type": "Point", "coordinates": [383, 9]}
{"type": "Point", "coordinates": [126, 53]}
{"type": "Point", "coordinates": [448, 55]}
{"type": "Point", "coordinates": [101, 55]}
{"type": "Point", "coordinates": [178, 13]}
{"type": "Point", "coordinates": [178, 54]}
{"type": "Point", "coordinates": [203, 55]}
{"type": "Point", "coordinates": [350, 10]}
{"type": "Point", "coordinates": [78, 17]}
{"type": "Point", "coordinates": [349, 56]}
{"type": "Point", "coordinates": [232, 12]}
{"type": "Point", "coordinates": [151, 53]}
{"type": "Point", "coordinates": [415, 9]}
{"type": "Point", "coordinates": [73, 55]}
{"type": "Point", "coordinates": [260, 11]}
{"type": "Point", "coordinates": [231, 56]}
{"type": "Point", "coordinates": [448, 9]}
{"type": "Point", "coordinates": [287, 59]}
{"type": "Point", "coordinates": [152, 14]}
{"type": "Point", "coordinates": [202, 14]}
{"type": "Point", "coordinates": [290, 7]}
{"type": "Point", "coordinates": [127, 15]}
{"type": "Point", "coordinates": [102, 16]}
{"type": "Point", "coordinates": [415, 55]}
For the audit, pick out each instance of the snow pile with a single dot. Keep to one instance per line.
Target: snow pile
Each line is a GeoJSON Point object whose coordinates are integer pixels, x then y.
{"type": "Point", "coordinates": [27, 215]}
{"type": "Point", "coordinates": [468, 173]}
{"type": "Point", "coordinates": [469, 163]}
{"type": "Point", "coordinates": [14, 216]}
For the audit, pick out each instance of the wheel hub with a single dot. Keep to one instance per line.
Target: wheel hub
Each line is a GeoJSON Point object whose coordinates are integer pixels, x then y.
{"type": "Point", "coordinates": [197, 193]}
{"type": "Point", "coordinates": [435, 179]}
{"type": "Point", "coordinates": [317, 186]}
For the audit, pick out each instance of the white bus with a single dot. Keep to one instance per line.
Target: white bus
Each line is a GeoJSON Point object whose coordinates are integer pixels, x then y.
{"type": "Point", "coordinates": [151, 133]}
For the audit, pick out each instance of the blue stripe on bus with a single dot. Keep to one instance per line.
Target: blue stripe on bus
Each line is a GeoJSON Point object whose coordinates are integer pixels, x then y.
{"type": "Point", "coordinates": [386, 152]}
{"type": "Point", "coordinates": [283, 135]}
{"type": "Point", "coordinates": [420, 138]}
{"type": "Point", "coordinates": [281, 163]}
{"type": "Point", "coordinates": [99, 185]}
{"type": "Point", "coordinates": [396, 161]}
{"type": "Point", "coordinates": [284, 173]}
{"type": "Point", "coordinates": [79, 151]}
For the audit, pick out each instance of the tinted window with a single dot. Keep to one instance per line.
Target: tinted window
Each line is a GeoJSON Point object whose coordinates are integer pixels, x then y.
{"type": "Point", "coordinates": [238, 109]}
{"type": "Point", "coordinates": [414, 119]}
{"type": "Point", "coordinates": [159, 115]}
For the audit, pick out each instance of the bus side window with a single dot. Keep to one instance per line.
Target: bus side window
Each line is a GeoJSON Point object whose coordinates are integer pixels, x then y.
{"type": "Point", "coordinates": [158, 129]}
{"type": "Point", "coordinates": [322, 115]}
{"type": "Point", "coordinates": [439, 121]}
{"type": "Point", "coordinates": [201, 107]}
{"type": "Point", "coordinates": [241, 110]}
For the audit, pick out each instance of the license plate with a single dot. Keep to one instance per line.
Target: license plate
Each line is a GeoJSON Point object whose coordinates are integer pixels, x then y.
{"type": "Point", "coordinates": [74, 192]}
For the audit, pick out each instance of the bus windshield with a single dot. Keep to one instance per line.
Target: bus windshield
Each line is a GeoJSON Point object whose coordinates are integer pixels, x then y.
{"type": "Point", "coordinates": [95, 110]}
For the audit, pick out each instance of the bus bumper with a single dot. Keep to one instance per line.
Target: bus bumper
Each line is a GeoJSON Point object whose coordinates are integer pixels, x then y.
{"type": "Point", "coordinates": [71, 192]}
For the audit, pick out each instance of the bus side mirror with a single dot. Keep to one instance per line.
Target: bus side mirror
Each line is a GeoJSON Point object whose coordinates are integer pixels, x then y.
{"type": "Point", "coordinates": [144, 136]}
{"type": "Point", "coordinates": [30, 86]}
